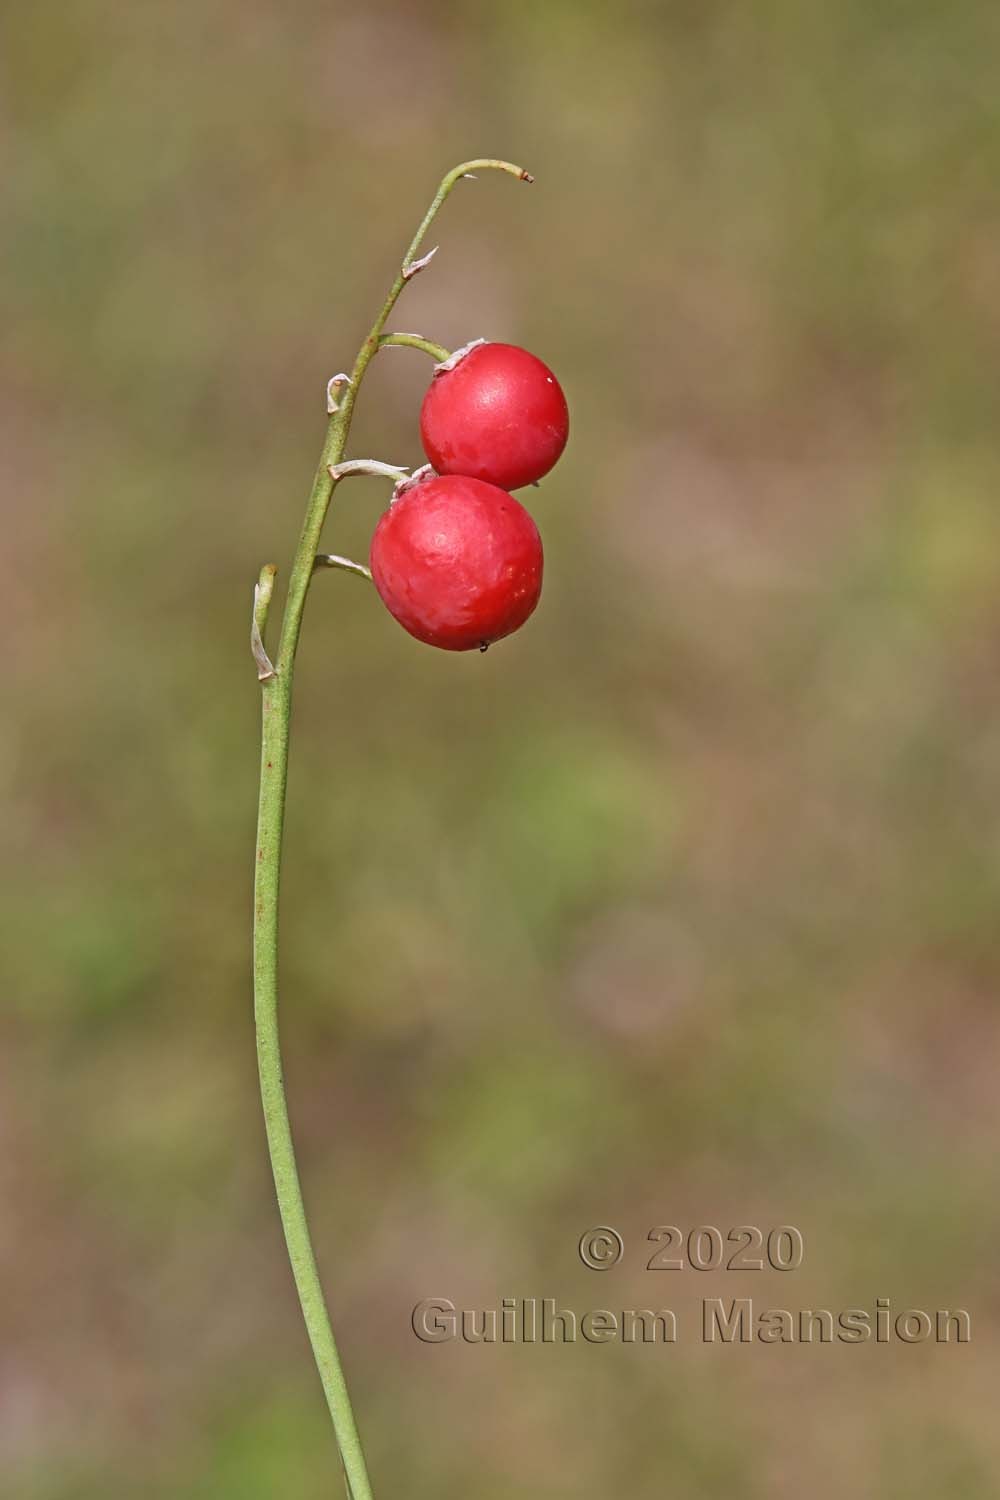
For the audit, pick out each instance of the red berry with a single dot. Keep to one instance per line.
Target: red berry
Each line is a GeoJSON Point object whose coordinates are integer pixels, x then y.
{"type": "Point", "coordinates": [499, 415]}
{"type": "Point", "coordinates": [457, 562]}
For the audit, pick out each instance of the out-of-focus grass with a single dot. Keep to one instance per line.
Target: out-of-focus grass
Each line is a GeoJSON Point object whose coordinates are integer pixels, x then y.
{"type": "Point", "coordinates": [679, 907]}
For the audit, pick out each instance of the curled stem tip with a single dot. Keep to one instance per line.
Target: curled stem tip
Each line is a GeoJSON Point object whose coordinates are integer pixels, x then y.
{"type": "Point", "coordinates": [489, 164]}
{"type": "Point", "coordinates": [464, 169]}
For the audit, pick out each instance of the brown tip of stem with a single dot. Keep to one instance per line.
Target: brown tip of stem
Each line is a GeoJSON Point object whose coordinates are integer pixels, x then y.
{"type": "Point", "coordinates": [526, 177]}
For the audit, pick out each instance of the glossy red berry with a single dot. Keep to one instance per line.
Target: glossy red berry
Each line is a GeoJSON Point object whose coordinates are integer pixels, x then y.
{"type": "Point", "coordinates": [498, 415]}
{"type": "Point", "coordinates": [457, 562]}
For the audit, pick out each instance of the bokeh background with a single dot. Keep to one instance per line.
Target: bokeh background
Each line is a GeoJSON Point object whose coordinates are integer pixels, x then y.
{"type": "Point", "coordinates": [678, 908]}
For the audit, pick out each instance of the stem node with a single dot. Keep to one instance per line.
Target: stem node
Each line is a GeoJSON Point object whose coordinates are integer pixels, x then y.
{"type": "Point", "coordinates": [410, 270]}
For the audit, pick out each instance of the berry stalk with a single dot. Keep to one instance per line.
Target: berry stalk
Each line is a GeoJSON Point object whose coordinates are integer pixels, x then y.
{"type": "Point", "coordinates": [276, 692]}
{"type": "Point", "coordinates": [414, 341]}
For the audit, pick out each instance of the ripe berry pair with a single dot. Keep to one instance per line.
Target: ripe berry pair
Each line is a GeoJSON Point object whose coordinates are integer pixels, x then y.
{"type": "Point", "coordinates": [456, 559]}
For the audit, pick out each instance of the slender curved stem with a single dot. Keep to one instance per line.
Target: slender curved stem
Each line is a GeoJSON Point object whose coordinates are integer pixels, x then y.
{"type": "Point", "coordinates": [413, 341]}
{"type": "Point", "coordinates": [276, 693]}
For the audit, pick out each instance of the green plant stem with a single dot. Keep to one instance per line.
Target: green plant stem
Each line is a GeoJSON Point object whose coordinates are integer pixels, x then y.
{"type": "Point", "coordinates": [413, 341]}
{"type": "Point", "coordinates": [276, 692]}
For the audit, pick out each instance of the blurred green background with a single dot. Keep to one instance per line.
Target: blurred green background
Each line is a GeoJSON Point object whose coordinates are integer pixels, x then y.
{"type": "Point", "coordinates": [678, 908]}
